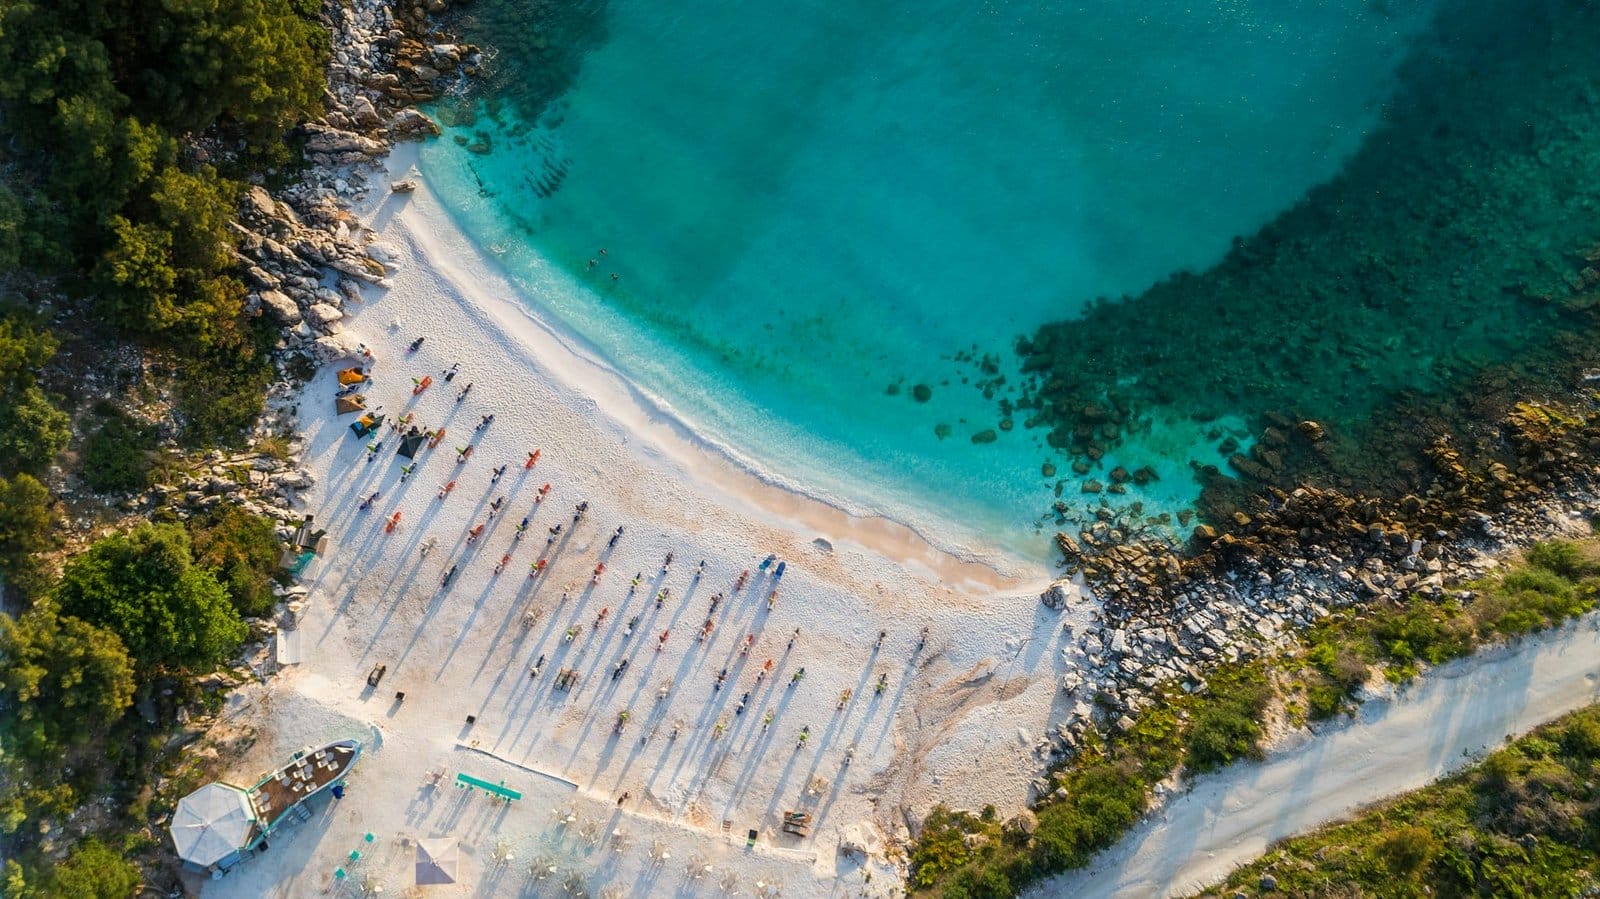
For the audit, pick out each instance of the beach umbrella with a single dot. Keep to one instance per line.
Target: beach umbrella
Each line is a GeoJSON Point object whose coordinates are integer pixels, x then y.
{"type": "Point", "coordinates": [438, 861]}
{"type": "Point", "coordinates": [352, 375]}
{"type": "Point", "coordinates": [410, 445]}
{"type": "Point", "coordinates": [352, 403]}
{"type": "Point", "coordinates": [212, 823]}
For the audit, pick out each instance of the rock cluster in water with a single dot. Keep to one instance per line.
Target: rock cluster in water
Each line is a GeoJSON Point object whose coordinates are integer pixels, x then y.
{"type": "Point", "coordinates": [1439, 276]}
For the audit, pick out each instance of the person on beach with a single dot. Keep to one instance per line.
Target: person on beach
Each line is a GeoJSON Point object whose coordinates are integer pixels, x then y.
{"type": "Point", "coordinates": [701, 570]}
{"type": "Point", "coordinates": [367, 503]}
{"type": "Point", "coordinates": [474, 534]}
{"type": "Point", "coordinates": [805, 734]}
{"type": "Point", "coordinates": [579, 510]}
{"type": "Point", "coordinates": [924, 641]}
{"type": "Point", "coordinates": [778, 575]}
{"type": "Point", "coordinates": [881, 635]}
{"type": "Point", "coordinates": [543, 492]}
{"type": "Point", "coordinates": [721, 676]}
{"type": "Point", "coordinates": [638, 576]}
{"type": "Point", "coordinates": [600, 618]}
{"type": "Point", "coordinates": [448, 575]}
{"type": "Point", "coordinates": [444, 489]}
{"type": "Point", "coordinates": [883, 683]}
{"type": "Point", "coordinates": [628, 631]}
{"type": "Point", "coordinates": [450, 373]}
{"type": "Point", "coordinates": [406, 470]}
{"type": "Point", "coordinates": [618, 671]}
{"type": "Point", "coordinates": [623, 798]}
{"type": "Point", "coordinates": [484, 422]}
{"type": "Point", "coordinates": [666, 564]}
{"type": "Point", "coordinates": [749, 641]}
{"type": "Point", "coordinates": [661, 641]}
{"type": "Point", "coordinates": [372, 450]}
{"type": "Point", "coordinates": [366, 353]}
{"type": "Point", "coordinates": [534, 671]}
{"type": "Point", "coordinates": [522, 528]}
{"type": "Point", "coordinates": [766, 721]}
{"type": "Point", "coordinates": [797, 677]}
{"type": "Point", "coordinates": [716, 600]}
{"type": "Point", "coordinates": [536, 568]}
{"type": "Point", "coordinates": [767, 562]}
{"type": "Point", "coordinates": [793, 637]}
{"type": "Point", "coordinates": [739, 584]}
{"type": "Point", "coordinates": [614, 538]}
{"type": "Point", "coordinates": [661, 598]}
{"type": "Point", "coordinates": [772, 600]}
{"type": "Point", "coordinates": [427, 546]}
{"type": "Point", "coordinates": [495, 506]}
{"type": "Point", "coordinates": [463, 453]}
{"type": "Point", "coordinates": [592, 263]}
{"type": "Point", "coordinates": [533, 459]}
{"type": "Point", "coordinates": [743, 701]}
{"type": "Point", "coordinates": [464, 391]}
{"type": "Point", "coordinates": [497, 473]}
{"type": "Point", "coordinates": [415, 345]}
{"type": "Point", "coordinates": [502, 566]}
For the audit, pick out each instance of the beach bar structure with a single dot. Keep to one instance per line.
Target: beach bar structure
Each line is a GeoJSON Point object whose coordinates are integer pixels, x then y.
{"type": "Point", "coordinates": [220, 825]}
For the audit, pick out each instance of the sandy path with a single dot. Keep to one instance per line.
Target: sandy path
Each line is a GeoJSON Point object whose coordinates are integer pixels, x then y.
{"type": "Point", "coordinates": [1437, 725]}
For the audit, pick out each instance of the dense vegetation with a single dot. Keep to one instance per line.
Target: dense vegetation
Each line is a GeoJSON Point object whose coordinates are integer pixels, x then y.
{"type": "Point", "coordinates": [129, 129]}
{"type": "Point", "coordinates": [104, 102]}
{"type": "Point", "coordinates": [1524, 822]}
{"type": "Point", "coordinates": [1105, 788]}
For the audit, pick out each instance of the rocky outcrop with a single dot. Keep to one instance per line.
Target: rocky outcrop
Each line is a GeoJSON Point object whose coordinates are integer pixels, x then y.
{"type": "Point", "coordinates": [304, 255]}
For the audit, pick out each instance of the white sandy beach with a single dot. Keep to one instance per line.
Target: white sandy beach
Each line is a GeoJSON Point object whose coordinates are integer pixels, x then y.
{"type": "Point", "coordinates": [956, 722]}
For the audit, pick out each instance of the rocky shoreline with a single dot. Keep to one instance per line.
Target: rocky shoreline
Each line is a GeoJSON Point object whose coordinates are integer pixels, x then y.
{"type": "Point", "coordinates": [1167, 614]}
{"type": "Point", "coordinates": [305, 255]}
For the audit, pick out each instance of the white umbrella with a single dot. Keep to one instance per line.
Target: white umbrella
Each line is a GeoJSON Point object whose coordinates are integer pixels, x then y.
{"type": "Point", "coordinates": [438, 861]}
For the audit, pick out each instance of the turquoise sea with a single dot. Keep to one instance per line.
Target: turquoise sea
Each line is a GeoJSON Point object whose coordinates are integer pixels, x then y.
{"type": "Point", "coordinates": [814, 209]}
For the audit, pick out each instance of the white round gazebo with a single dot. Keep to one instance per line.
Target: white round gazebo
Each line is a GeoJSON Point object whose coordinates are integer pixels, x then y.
{"type": "Point", "coordinates": [212, 824]}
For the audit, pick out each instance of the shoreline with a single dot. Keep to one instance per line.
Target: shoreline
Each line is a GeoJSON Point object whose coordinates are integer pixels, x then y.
{"type": "Point", "coordinates": [552, 345]}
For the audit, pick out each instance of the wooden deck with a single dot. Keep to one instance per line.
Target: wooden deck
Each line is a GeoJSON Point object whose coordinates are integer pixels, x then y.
{"type": "Point", "coordinates": [302, 778]}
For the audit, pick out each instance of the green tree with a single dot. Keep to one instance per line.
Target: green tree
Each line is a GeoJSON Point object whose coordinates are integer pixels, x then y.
{"type": "Point", "coordinates": [32, 431]}
{"type": "Point", "coordinates": [14, 882]}
{"type": "Point", "coordinates": [145, 587]}
{"type": "Point", "coordinates": [94, 871]}
{"type": "Point", "coordinates": [26, 517]}
{"type": "Point", "coordinates": [243, 550]}
{"type": "Point", "coordinates": [62, 680]}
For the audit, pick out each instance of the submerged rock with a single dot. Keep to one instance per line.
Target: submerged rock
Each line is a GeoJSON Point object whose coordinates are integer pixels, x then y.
{"type": "Point", "coordinates": [922, 393]}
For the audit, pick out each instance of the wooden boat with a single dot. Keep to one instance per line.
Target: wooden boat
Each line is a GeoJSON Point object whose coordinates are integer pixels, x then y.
{"type": "Point", "coordinates": [308, 773]}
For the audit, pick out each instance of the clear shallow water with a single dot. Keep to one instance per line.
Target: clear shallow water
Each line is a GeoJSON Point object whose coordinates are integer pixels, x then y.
{"type": "Point", "coordinates": [803, 210]}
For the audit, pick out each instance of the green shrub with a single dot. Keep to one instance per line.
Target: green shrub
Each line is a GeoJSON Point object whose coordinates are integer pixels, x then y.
{"type": "Point", "coordinates": [1408, 850]}
{"type": "Point", "coordinates": [95, 871]}
{"type": "Point", "coordinates": [1228, 725]}
{"type": "Point", "coordinates": [1581, 739]}
{"type": "Point", "coordinates": [242, 549]}
{"type": "Point", "coordinates": [116, 457]}
{"type": "Point", "coordinates": [1560, 557]}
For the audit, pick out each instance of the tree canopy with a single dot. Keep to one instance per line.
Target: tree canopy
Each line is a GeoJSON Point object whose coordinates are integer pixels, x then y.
{"type": "Point", "coordinates": [145, 588]}
{"type": "Point", "coordinates": [26, 516]}
{"type": "Point", "coordinates": [62, 680]}
{"type": "Point", "coordinates": [99, 99]}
